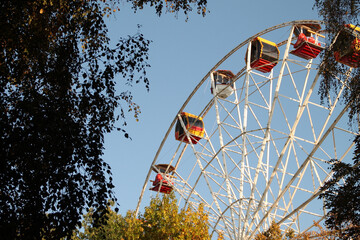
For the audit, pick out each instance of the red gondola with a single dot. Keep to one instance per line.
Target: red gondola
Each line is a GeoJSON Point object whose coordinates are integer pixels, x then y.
{"type": "Point", "coordinates": [223, 82]}
{"type": "Point", "coordinates": [160, 184]}
{"type": "Point", "coordinates": [264, 55]}
{"type": "Point", "coordinates": [194, 125]}
{"type": "Point", "coordinates": [349, 37]}
{"type": "Point", "coordinates": [307, 45]}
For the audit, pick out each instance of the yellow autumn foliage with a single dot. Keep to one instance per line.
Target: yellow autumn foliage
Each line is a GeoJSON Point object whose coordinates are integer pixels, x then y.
{"type": "Point", "coordinates": [162, 219]}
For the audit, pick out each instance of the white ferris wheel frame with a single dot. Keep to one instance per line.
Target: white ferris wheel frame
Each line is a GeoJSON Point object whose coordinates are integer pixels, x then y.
{"type": "Point", "coordinates": [240, 207]}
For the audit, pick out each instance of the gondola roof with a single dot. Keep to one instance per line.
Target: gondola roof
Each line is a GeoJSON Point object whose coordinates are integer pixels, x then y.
{"type": "Point", "coordinates": [228, 73]}
{"type": "Point", "coordinates": [163, 167]}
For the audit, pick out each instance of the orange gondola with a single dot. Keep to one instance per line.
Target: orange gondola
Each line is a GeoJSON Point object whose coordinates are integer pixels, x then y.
{"type": "Point", "coordinates": [264, 55]}
{"type": "Point", "coordinates": [160, 184]}
{"type": "Point", "coordinates": [347, 46]}
{"type": "Point", "coordinates": [223, 83]}
{"type": "Point", "coordinates": [194, 126]}
{"type": "Point", "coordinates": [307, 45]}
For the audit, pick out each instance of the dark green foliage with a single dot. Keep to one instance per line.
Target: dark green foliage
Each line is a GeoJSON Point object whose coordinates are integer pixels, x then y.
{"type": "Point", "coordinates": [173, 6]}
{"type": "Point", "coordinates": [57, 100]}
{"type": "Point", "coordinates": [342, 199]}
{"type": "Point", "coordinates": [337, 13]}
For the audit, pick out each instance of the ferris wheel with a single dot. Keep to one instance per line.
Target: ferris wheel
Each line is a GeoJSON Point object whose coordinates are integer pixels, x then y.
{"type": "Point", "coordinates": [252, 141]}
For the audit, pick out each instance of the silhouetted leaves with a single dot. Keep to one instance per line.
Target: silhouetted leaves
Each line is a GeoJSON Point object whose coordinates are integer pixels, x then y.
{"type": "Point", "coordinates": [337, 13]}
{"type": "Point", "coordinates": [172, 6]}
{"type": "Point", "coordinates": [342, 199]}
{"type": "Point", "coordinates": [57, 100]}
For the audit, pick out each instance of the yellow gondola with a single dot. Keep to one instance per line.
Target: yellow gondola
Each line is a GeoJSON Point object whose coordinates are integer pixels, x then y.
{"type": "Point", "coordinates": [194, 126]}
{"type": "Point", "coordinates": [264, 55]}
{"type": "Point", "coordinates": [223, 82]}
{"type": "Point", "coordinates": [347, 46]}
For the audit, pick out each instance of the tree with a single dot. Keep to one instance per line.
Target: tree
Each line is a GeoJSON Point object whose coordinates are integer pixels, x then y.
{"type": "Point", "coordinates": [112, 226]}
{"type": "Point", "coordinates": [337, 13]}
{"type": "Point", "coordinates": [274, 233]}
{"type": "Point", "coordinates": [58, 75]}
{"type": "Point", "coordinates": [341, 199]}
{"type": "Point", "coordinates": [173, 6]}
{"type": "Point", "coordinates": [161, 220]}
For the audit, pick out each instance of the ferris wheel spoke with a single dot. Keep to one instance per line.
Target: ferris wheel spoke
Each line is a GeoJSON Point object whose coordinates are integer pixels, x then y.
{"type": "Point", "coordinates": [237, 125]}
{"type": "Point", "coordinates": [213, 193]}
{"type": "Point", "coordinates": [258, 88]}
{"type": "Point", "coordinates": [213, 155]}
{"type": "Point", "coordinates": [202, 200]}
{"type": "Point", "coordinates": [226, 176]}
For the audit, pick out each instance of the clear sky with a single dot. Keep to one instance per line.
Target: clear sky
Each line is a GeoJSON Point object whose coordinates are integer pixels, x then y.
{"type": "Point", "coordinates": [180, 55]}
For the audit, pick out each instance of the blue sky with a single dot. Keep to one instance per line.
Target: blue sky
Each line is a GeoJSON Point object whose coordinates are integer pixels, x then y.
{"type": "Point", "coordinates": [180, 55]}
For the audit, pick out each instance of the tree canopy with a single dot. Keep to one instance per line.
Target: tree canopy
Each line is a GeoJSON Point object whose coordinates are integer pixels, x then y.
{"type": "Point", "coordinates": [172, 6]}
{"type": "Point", "coordinates": [58, 97]}
{"type": "Point", "coordinates": [341, 199]}
{"type": "Point", "coordinates": [162, 219]}
{"type": "Point", "coordinates": [337, 13]}
{"type": "Point", "coordinates": [275, 233]}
